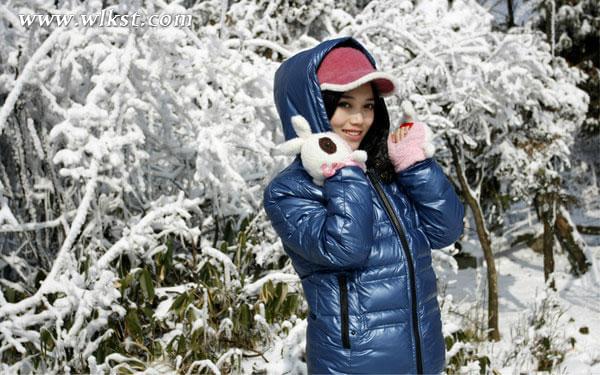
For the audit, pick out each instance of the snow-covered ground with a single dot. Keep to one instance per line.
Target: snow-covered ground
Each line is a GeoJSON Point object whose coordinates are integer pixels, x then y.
{"type": "Point", "coordinates": [521, 285]}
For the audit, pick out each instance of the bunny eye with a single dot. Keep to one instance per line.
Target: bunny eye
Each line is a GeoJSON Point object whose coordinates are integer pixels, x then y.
{"type": "Point", "coordinates": [327, 145]}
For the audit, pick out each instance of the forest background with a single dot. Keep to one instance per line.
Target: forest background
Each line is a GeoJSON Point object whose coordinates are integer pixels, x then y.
{"type": "Point", "coordinates": [133, 161]}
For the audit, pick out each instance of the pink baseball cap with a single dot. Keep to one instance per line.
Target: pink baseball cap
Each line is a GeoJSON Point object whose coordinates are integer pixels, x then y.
{"type": "Point", "coordinates": [346, 68]}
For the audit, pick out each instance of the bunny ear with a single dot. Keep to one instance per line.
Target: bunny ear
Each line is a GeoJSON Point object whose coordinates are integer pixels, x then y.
{"type": "Point", "coordinates": [291, 147]}
{"type": "Point", "coordinates": [408, 112]}
{"type": "Point", "coordinates": [301, 126]}
{"type": "Point", "coordinates": [428, 146]}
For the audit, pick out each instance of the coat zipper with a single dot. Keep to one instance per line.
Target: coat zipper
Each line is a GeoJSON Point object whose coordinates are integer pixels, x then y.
{"type": "Point", "coordinates": [411, 268]}
{"type": "Point", "coordinates": [343, 282]}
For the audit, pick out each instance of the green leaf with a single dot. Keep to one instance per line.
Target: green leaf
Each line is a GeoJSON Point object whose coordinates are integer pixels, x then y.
{"type": "Point", "coordinates": [245, 223]}
{"type": "Point", "coordinates": [46, 340]}
{"type": "Point", "coordinates": [223, 247]}
{"type": "Point", "coordinates": [168, 255]}
{"type": "Point", "coordinates": [126, 282]}
{"type": "Point", "coordinates": [147, 284]}
{"type": "Point", "coordinates": [12, 295]}
{"type": "Point", "coordinates": [133, 325]}
{"type": "Point", "coordinates": [290, 306]}
{"type": "Point", "coordinates": [148, 313]}
{"type": "Point", "coordinates": [245, 316]}
{"type": "Point", "coordinates": [179, 302]}
{"type": "Point", "coordinates": [282, 291]}
{"type": "Point", "coordinates": [240, 249]}
{"type": "Point", "coordinates": [264, 294]}
{"type": "Point", "coordinates": [124, 265]}
{"type": "Point", "coordinates": [229, 233]}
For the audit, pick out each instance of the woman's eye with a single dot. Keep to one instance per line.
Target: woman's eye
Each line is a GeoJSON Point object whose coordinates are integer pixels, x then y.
{"type": "Point", "coordinates": [370, 106]}
{"type": "Point", "coordinates": [344, 105]}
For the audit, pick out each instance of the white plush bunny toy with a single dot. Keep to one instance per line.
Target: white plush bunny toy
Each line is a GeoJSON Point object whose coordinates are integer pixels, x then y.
{"type": "Point", "coordinates": [322, 154]}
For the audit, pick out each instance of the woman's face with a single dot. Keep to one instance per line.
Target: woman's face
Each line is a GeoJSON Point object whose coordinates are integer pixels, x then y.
{"type": "Point", "coordinates": [354, 114]}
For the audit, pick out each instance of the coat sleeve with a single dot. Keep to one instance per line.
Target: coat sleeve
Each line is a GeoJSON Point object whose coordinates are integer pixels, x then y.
{"type": "Point", "coordinates": [439, 209]}
{"type": "Point", "coordinates": [335, 233]}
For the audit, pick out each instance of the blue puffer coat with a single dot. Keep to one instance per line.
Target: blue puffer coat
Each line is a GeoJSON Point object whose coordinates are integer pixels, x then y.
{"type": "Point", "coordinates": [362, 248]}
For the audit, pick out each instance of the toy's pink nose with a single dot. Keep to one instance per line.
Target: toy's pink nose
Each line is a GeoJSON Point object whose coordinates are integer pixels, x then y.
{"type": "Point", "coordinates": [327, 145]}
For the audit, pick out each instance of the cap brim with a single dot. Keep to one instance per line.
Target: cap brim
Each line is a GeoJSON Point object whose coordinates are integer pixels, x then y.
{"type": "Point", "coordinates": [385, 83]}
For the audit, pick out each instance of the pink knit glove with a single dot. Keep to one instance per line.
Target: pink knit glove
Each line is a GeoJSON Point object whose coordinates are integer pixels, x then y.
{"type": "Point", "coordinates": [414, 147]}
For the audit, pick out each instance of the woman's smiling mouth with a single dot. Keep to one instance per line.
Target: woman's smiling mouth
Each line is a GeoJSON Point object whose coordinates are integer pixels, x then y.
{"type": "Point", "coordinates": [354, 135]}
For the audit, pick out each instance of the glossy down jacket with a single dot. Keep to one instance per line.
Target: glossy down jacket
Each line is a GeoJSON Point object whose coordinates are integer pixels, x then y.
{"type": "Point", "coordinates": [362, 248]}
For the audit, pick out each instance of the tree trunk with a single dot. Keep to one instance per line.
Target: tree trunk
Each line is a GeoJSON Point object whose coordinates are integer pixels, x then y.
{"type": "Point", "coordinates": [492, 274]}
{"type": "Point", "coordinates": [548, 253]}
{"type": "Point", "coordinates": [511, 14]}
{"type": "Point", "coordinates": [544, 208]}
{"type": "Point", "coordinates": [486, 245]}
{"type": "Point", "coordinates": [548, 21]}
{"type": "Point", "coordinates": [565, 233]}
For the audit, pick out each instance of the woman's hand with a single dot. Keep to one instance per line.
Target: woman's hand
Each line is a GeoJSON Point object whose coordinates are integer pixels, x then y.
{"type": "Point", "coordinates": [411, 142]}
{"type": "Point", "coordinates": [400, 133]}
{"type": "Point", "coordinates": [406, 122]}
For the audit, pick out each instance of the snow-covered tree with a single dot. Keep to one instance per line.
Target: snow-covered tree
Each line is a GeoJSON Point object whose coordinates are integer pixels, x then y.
{"type": "Point", "coordinates": [132, 164]}
{"type": "Point", "coordinates": [573, 27]}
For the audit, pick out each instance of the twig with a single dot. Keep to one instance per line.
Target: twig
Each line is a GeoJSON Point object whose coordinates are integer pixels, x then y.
{"type": "Point", "coordinates": [27, 227]}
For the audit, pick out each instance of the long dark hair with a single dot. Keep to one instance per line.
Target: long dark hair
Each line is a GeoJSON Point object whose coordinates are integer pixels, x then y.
{"type": "Point", "coordinates": [375, 141]}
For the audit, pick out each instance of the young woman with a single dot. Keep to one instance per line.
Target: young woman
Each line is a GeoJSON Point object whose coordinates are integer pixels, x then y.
{"type": "Point", "coordinates": [361, 243]}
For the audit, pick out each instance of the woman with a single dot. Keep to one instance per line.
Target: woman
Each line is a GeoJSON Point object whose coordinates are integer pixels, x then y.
{"type": "Point", "coordinates": [361, 243]}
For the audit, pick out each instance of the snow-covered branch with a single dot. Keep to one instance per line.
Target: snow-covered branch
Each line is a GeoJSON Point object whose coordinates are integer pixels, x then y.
{"type": "Point", "coordinates": [28, 74]}
{"type": "Point", "coordinates": [49, 284]}
{"type": "Point", "coordinates": [275, 277]}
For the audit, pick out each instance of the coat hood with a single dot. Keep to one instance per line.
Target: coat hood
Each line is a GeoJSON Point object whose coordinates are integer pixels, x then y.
{"type": "Point", "coordinates": [297, 90]}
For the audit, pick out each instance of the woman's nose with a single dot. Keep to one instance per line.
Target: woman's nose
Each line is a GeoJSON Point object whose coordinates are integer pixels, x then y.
{"type": "Point", "coordinates": [356, 118]}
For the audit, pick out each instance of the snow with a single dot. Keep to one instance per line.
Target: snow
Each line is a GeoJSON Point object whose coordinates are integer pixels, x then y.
{"type": "Point", "coordinates": [283, 356]}
{"type": "Point", "coordinates": [6, 216]}
{"type": "Point", "coordinates": [202, 364]}
{"type": "Point", "coordinates": [275, 277]}
{"type": "Point", "coordinates": [26, 76]}
{"type": "Point", "coordinates": [137, 138]}
{"type": "Point", "coordinates": [520, 283]}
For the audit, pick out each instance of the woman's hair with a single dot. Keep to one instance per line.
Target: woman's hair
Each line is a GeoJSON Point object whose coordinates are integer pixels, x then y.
{"type": "Point", "coordinates": [375, 141]}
